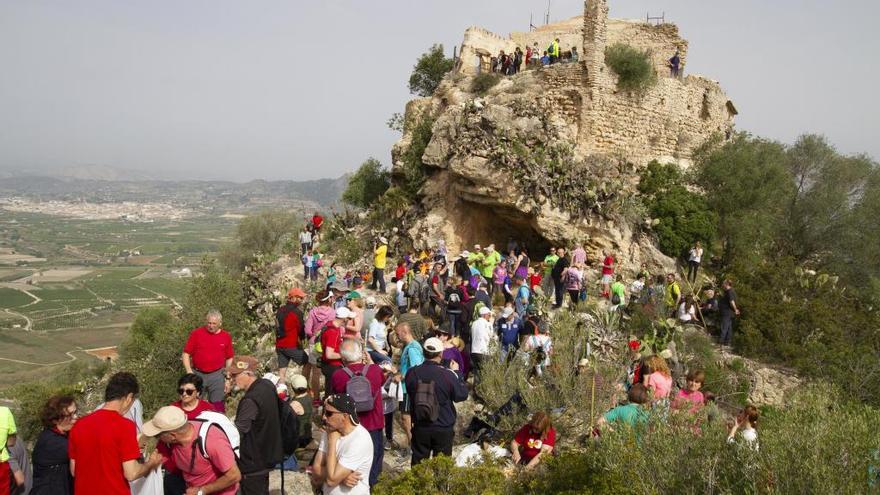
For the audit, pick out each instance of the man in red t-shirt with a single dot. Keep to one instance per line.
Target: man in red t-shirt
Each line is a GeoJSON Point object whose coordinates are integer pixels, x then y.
{"type": "Point", "coordinates": [607, 272]}
{"type": "Point", "coordinates": [317, 222]}
{"type": "Point", "coordinates": [218, 473]}
{"type": "Point", "coordinates": [103, 447]}
{"type": "Point", "coordinates": [208, 352]}
{"type": "Point", "coordinates": [290, 329]}
{"type": "Point", "coordinates": [374, 419]}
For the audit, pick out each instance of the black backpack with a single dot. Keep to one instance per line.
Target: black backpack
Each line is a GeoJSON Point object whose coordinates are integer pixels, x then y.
{"type": "Point", "coordinates": [289, 427]}
{"type": "Point", "coordinates": [426, 408]}
{"type": "Point", "coordinates": [281, 317]}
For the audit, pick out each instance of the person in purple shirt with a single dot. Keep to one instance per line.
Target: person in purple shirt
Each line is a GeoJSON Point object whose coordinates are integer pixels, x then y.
{"type": "Point", "coordinates": [450, 351]}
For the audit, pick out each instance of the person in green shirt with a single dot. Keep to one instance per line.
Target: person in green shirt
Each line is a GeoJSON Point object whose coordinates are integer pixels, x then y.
{"type": "Point", "coordinates": [618, 290]}
{"type": "Point", "coordinates": [7, 440]}
{"type": "Point", "coordinates": [633, 414]}
{"type": "Point", "coordinates": [673, 292]}
{"type": "Point", "coordinates": [547, 281]}
{"type": "Point", "coordinates": [489, 261]}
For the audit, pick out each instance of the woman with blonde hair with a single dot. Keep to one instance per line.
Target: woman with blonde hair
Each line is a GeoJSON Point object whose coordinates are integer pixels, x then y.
{"type": "Point", "coordinates": [533, 441]}
{"type": "Point", "coordinates": [465, 357]}
{"type": "Point", "coordinates": [659, 381]}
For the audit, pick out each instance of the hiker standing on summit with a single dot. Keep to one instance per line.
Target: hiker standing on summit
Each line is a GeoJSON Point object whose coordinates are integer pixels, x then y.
{"type": "Point", "coordinates": [206, 353]}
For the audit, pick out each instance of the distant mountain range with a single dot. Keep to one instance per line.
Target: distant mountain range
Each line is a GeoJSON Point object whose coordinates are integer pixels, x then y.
{"type": "Point", "coordinates": [108, 184]}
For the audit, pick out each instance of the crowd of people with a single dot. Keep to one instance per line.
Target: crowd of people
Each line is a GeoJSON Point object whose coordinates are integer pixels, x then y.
{"type": "Point", "coordinates": [360, 365]}
{"type": "Point", "coordinates": [509, 64]}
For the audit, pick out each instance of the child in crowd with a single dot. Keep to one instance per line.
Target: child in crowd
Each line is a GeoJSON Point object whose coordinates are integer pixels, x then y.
{"type": "Point", "coordinates": [690, 397]}
{"type": "Point", "coordinates": [659, 381]}
{"type": "Point", "coordinates": [746, 424]}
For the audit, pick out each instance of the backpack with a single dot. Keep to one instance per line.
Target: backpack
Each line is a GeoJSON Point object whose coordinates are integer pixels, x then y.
{"type": "Point", "coordinates": [281, 317]}
{"type": "Point", "coordinates": [453, 301]}
{"type": "Point", "coordinates": [426, 408]}
{"type": "Point", "coordinates": [213, 418]}
{"type": "Point", "coordinates": [615, 299]}
{"type": "Point", "coordinates": [360, 390]}
{"type": "Point", "coordinates": [319, 347]}
{"type": "Point", "coordinates": [289, 427]}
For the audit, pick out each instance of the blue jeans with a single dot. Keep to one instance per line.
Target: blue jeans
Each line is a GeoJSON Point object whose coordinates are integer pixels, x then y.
{"type": "Point", "coordinates": [378, 357]}
{"type": "Point", "coordinates": [378, 455]}
{"type": "Point", "coordinates": [453, 322]}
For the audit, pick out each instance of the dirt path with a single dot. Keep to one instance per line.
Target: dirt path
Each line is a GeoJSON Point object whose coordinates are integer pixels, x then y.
{"type": "Point", "coordinates": [28, 326]}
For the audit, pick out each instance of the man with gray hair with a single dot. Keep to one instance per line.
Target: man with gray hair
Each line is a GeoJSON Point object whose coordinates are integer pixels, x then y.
{"type": "Point", "coordinates": [207, 352]}
{"type": "Point", "coordinates": [363, 382]}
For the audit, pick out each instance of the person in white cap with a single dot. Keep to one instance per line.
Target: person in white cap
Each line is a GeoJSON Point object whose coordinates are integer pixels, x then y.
{"type": "Point", "coordinates": [481, 334]}
{"type": "Point", "coordinates": [433, 430]}
{"type": "Point", "coordinates": [331, 342]}
{"type": "Point", "coordinates": [216, 472]}
{"type": "Point", "coordinates": [380, 256]}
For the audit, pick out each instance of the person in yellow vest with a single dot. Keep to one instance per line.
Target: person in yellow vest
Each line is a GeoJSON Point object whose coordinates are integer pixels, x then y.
{"type": "Point", "coordinates": [554, 51]}
{"type": "Point", "coordinates": [380, 256]}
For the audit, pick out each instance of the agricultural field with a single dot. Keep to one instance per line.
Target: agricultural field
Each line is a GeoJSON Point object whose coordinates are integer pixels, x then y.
{"type": "Point", "coordinates": [96, 276]}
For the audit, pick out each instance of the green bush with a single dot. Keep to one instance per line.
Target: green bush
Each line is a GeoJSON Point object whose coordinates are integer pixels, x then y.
{"type": "Point", "coordinates": [482, 83]}
{"type": "Point", "coordinates": [367, 184]}
{"type": "Point", "coordinates": [152, 352]}
{"type": "Point", "coordinates": [440, 476]}
{"type": "Point", "coordinates": [30, 397]}
{"type": "Point", "coordinates": [682, 216]}
{"type": "Point", "coordinates": [414, 170]}
{"type": "Point", "coordinates": [429, 71]}
{"type": "Point", "coordinates": [635, 72]}
{"type": "Point", "coordinates": [730, 382]}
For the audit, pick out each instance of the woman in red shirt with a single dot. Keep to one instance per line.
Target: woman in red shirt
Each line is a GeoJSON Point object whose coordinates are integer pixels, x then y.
{"type": "Point", "coordinates": [189, 389]}
{"type": "Point", "coordinates": [533, 441]}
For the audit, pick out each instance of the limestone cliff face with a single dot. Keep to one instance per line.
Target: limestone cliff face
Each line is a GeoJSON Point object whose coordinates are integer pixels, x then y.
{"type": "Point", "coordinates": [552, 155]}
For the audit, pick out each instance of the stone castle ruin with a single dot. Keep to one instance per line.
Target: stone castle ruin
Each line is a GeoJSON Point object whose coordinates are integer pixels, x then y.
{"type": "Point", "coordinates": [551, 154]}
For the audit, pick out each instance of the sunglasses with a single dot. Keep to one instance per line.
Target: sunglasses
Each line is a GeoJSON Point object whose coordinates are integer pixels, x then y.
{"type": "Point", "coordinates": [328, 414]}
{"type": "Point", "coordinates": [187, 391]}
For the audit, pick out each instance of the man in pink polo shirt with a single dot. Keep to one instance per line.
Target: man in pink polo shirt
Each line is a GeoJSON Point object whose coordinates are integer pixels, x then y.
{"type": "Point", "coordinates": [217, 473]}
{"type": "Point", "coordinates": [373, 420]}
{"type": "Point", "coordinates": [208, 352]}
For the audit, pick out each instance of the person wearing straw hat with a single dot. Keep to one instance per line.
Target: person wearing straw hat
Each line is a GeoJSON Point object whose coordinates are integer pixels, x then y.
{"type": "Point", "coordinates": [217, 473]}
{"type": "Point", "coordinates": [345, 452]}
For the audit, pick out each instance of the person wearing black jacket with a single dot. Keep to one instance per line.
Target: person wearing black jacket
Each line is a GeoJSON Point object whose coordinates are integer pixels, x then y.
{"type": "Point", "coordinates": [258, 424]}
{"type": "Point", "coordinates": [431, 437]}
{"type": "Point", "coordinates": [50, 459]}
{"type": "Point", "coordinates": [556, 273]}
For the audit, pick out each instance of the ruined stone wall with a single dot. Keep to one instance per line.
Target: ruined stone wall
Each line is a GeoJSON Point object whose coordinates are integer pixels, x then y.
{"type": "Point", "coordinates": [666, 124]}
{"type": "Point", "coordinates": [569, 32]}
{"type": "Point", "coordinates": [660, 41]}
{"type": "Point", "coordinates": [477, 46]}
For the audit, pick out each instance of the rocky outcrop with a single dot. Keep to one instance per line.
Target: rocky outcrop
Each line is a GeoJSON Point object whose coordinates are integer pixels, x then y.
{"type": "Point", "coordinates": [552, 156]}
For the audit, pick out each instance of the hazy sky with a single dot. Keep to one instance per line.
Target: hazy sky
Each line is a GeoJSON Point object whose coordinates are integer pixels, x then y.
{"type": "Point", "coordinates": [241, 90]}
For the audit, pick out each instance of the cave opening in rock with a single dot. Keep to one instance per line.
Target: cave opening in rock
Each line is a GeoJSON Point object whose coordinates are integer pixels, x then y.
{"type": "Point", "coordinates": [484, 225]}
